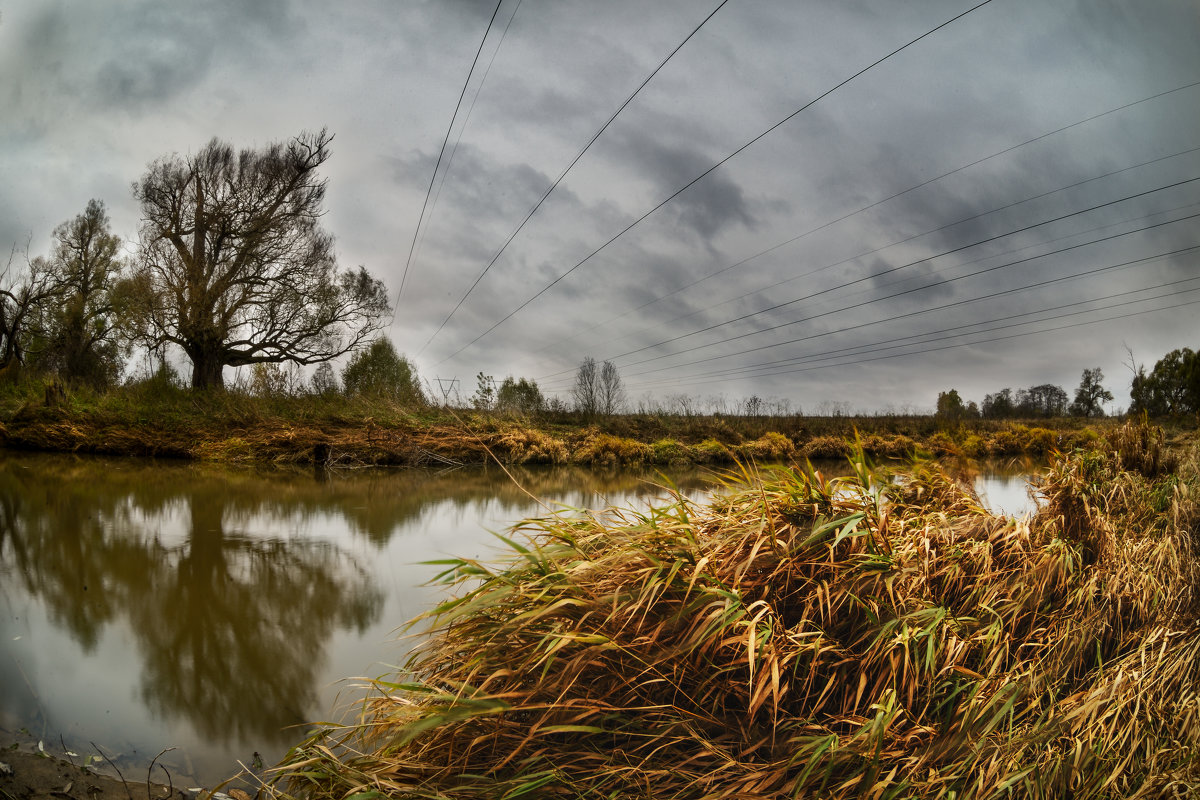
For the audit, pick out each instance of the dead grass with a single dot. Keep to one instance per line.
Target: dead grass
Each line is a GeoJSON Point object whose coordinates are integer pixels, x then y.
{"type": "Point", "coordinates": [808, 637]}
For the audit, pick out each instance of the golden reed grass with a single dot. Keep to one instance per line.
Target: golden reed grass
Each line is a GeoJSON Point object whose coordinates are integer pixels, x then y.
{"type": "Point", "coordinates": [810, 637]}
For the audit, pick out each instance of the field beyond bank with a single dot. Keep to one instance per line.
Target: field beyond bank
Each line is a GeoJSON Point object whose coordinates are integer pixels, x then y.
{"type": "Point", "coordinates": [226, 426]}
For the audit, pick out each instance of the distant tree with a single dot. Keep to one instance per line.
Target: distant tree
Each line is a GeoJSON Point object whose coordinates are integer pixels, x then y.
{"type": "Point", "coordinates": [612, 390]}
{"type": "Point", "coordinates": [519, 397]}
{"type": "Point", "coordinates": [950, 405]}
{"type": "Point", "coordinates": [380, 372]}
{"type": "Point", "coordinates": [1044, 400]}
{"type": "Point", "coordinates": [234, 266]}
{"type": "Point", "coordinates": [1173, 387]}
{"type": "Point", "coordinates": [324, 380]}
{"type": "Point", "coordinates": [999, 405]}
{"type": "Point", "coordinates": [1090, 395]}
{"type": "Point", "coordinates": [75, 335]}
{"type": "Point", "coordinates": [586, 391]}
{"type": "Point", "coordinates": [485, 392]}
{"type": "Point", "coordinates": [754, 406]}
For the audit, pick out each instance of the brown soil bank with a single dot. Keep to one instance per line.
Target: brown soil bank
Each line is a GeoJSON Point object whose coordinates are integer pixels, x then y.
{"type": "Point", "coordinates": [228, 427]}
{"type": "Point", "coordinates": [812, 637]}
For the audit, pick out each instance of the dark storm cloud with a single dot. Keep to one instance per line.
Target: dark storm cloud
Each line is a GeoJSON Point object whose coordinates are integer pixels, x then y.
{"type": "Point", "coordinates": [711, 206]}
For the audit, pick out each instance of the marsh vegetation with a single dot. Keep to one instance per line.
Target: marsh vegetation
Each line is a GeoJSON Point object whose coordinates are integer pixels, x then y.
{"type": "Point", "coordinates": [809, 636]}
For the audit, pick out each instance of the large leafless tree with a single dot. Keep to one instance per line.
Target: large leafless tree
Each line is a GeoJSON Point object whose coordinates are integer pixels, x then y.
{"type": "Point", "coordinates": [235, 267]}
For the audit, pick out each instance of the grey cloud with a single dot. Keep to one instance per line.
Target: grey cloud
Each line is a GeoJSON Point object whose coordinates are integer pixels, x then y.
{"type": "Point", "coordinates": [710, 206]}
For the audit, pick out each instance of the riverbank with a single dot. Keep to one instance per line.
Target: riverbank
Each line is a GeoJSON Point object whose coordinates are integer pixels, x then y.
{"type": "Point", "coordinates": [351, 432]}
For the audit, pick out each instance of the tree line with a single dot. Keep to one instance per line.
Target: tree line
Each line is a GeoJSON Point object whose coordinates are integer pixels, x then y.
{"type": "Point", "coordinates": [1172, 387]}
{"type": "Point", "coordinates": [1045, 400]}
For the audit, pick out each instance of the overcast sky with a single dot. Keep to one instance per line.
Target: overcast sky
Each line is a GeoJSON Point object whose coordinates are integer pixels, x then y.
{"type": "Point", "coordinates": [811, 238]}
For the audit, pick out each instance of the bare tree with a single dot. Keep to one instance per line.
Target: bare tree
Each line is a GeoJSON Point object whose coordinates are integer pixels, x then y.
{"type": "Point", "coordinates": [587, 388]}
{"type": "Point", "coordinates": [611, 394]}
{"type": "Point", "coordinates": [235, 268]}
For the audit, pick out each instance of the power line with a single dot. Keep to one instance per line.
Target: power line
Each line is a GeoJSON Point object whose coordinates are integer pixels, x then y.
{"type": "Point", "coordinates": [707, 172]}
{"type": "Point", "coordinates": [926, 286]}
{"type": "Point", "coordinates": [1012, 251]}
{"type": "Point", "coordinates": [931, 309]}
{"type": "Point", "coordinates": [865, 208]}
{"type": "Point", "coordinates": [441, 153]}
{"type": "Point", "coordinates": [467, 121]}
{"type": "Point", "coordinates": [901, 267]}
{"type": "Point", "coordinates": [757, 370]}
{"type": "Point", "coordinates": [934, 308]}
{"type": "Point", "coordinates": [995, 339]}
{"type": "Point", "coordinates": [943, 307]}
{"type": "Point", "coordinates": [859, 255]}
{"type": "Point", "coordinates": [563, 174]}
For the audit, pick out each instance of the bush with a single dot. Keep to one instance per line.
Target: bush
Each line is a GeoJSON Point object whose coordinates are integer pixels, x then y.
{"type": "Point", "coordinates": [380, 372]}
{"type": "Point", "coordinates": [826, 447]}
{"type": "Point", "coordinates": [525, 446]}
{"type": "Point", "coordinates": [670, 451]}
{"type": "Point", "coordinates": [604, 450]}
{"type": "Point", "coordinates": [770, 446]}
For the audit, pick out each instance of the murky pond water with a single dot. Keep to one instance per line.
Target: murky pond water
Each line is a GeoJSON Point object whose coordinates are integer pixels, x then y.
{"type": "Point", "coordinates": [146, 605]}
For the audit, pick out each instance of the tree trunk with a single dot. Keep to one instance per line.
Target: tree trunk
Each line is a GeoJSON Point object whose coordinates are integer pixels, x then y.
{"type": "Point", "coordinates": [207, 370]}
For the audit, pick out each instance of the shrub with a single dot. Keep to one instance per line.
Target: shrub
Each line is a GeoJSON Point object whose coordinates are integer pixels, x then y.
{"type": "Point", "coordinates": [771, 446]}
{"type": "Point", "coordinates": [380, 372]}
{"type": "Point", "coordinates": [525, 446]}
{"type": "Point", "coordinates": [712, 451]}
{"type": "Point", "coordinates": [604, 450]}
{"type": "Point", "coordinates": [826, 447]}
{"type": "Point", "coordinates": [670, 451]}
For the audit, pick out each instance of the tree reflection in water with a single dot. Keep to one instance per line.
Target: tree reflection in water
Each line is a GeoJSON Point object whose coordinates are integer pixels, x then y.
{"type": "Point", "coordinates": [221, 592]}
{"type": "Point", "coordinates": [231, 628]}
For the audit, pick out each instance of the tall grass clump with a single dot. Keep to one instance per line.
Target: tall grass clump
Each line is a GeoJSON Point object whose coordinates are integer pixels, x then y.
{"type": "Point", "coordinates": [808, 637]}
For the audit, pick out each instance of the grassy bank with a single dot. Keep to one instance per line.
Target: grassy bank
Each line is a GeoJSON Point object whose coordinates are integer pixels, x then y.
{"type": "Point", "coordinates": [162, 420]}
{"type": "Point", "coordinates": [808, 637]}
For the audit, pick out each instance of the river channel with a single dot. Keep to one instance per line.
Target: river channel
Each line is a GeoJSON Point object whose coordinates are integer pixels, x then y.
{"type": "Point", "coordinates": [148, 605]}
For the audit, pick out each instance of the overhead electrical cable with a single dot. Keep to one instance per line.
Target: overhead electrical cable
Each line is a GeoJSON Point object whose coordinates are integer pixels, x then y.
{"type": "Point", "coordinates": [771, 368]}
{"type": "Point", "coordinates": [865, 208]}
{"type": "Point", "coordinates": [467, 121]}
{"type": "Point", "coordinates": [935, 284]}
{"type": "Point", "coordinates": [922, 288]}
{"type": "Point", "coordinates": [847, 260]}
{"type": "Point", "coordinates": [563, 174]}
{"type": "Point", "coordinates": [441, 154]}
{"type": "Point", "coordinates": [989, 341]}
{"type": "Point", "coordinates": [1072, 235]}
{"type": "Point", "coordinates": [891, 270]}
{"type": "Point", "coordinates": [1086, 273]}
{"type": "Point", "coordinates": [707, 172]}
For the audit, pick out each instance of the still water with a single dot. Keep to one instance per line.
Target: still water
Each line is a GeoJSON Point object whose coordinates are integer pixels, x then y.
{"type": "Point", "coordinates": [147, 605]}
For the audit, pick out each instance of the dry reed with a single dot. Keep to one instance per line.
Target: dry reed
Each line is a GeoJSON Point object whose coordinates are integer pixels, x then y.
{"type": "Point", "coordinates": [809, 637]}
